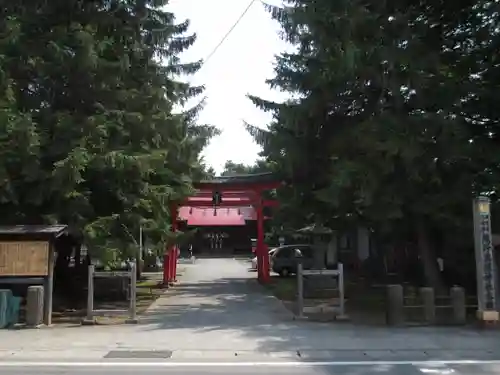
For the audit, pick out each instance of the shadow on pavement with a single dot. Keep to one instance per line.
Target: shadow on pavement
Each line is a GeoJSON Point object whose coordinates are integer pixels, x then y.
{"type": "Point", "coordinates": [239, 307]}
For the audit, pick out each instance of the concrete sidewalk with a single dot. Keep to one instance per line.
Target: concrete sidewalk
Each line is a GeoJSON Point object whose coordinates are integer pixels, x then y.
{"type": "Point", "coordinates": [219, 312]}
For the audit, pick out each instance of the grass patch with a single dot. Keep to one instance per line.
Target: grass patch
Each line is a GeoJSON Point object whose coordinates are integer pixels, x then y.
{"type": "Point", "coordinates": [151, 284]}
{"type": "Point", "coordinates": [147, 292]}
{"type": "Point", "coordinates": [283, 288]}
{"type": "Point", "coordinates": [365, 297]}
{"type": "Point", "coordinates": [364, 303]}
{"type": "Point", "coordinates": [359, 296]}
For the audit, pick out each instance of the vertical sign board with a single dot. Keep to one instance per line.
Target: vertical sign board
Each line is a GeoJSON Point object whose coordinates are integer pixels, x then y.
{"type": "Point", "coordinates": [485, 262]}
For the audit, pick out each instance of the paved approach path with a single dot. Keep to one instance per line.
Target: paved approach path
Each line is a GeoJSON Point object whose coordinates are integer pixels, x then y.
{"type": "Point", "coordinates": [217, 305]}
{"type": "Point", "coordinates": [219, 310]}
{"type": "Point", "coordinates": [219, 313]}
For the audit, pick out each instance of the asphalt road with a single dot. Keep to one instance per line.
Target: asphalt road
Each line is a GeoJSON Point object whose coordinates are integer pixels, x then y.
{"type": "Point", "coordinates": [383, 368]}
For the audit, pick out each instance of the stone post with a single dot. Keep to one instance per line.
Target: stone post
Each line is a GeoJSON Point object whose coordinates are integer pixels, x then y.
{"type": "Point", "coordinates": [457, 295]}
{"type": "Point", "coordinates": [300, 290]}
{"type": "Point", "coordinates": [341, 290]}
{"type": "Point", "coordinates": [332, 252]}
{"type": "Point", "coordinates": [89, 318]}
{"type": "Point", "coordinates": [34, 305]}
{"type": "Point", "coordinates": [300, 284]}
{"type": "Point", "coordinates": [428, 305]}
{"type": "Point", "coordinates": [133, 295]}
{"type": "Point", "coordinates": [394, 305]}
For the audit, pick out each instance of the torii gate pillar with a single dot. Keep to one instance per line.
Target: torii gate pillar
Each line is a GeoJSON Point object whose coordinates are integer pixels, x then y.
{"type": "Point", "coordinates": [171, 253]}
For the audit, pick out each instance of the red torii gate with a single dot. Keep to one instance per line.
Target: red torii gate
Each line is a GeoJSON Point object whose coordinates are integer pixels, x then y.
{"type": "Point", "coordinates": [235, 191]}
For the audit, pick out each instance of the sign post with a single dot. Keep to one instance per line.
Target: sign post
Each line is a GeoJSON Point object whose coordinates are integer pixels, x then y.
{"type": "Point", "coordinates": [131, 275]}
{"type": "Point", "coordinates": [485, 261]}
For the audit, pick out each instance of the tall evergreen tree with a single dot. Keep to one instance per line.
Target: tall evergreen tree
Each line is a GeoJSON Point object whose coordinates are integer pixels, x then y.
{"type": "Point", "coordinates": [89, 89]}
{"type": "Point", "coordinates": [386, 129]}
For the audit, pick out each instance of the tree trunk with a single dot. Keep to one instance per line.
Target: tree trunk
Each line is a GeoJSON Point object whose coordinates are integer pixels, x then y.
{"type": "Point", "coordinates": [64, 249]}
{"type": "Point", "coordinates": [63, 282]}
{"type": "Point", "coordinates": [69, 281]}
{"type": "Point", "coordinates": [432, 274]}
{"type": "Point", "coordinates": [78, 258]}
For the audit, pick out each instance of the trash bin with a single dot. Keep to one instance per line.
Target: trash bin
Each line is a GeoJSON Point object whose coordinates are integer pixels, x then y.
{"type": "Point", "coordinates": [13, 309]}
{"type": "Point", "coordinates": [5, 298]}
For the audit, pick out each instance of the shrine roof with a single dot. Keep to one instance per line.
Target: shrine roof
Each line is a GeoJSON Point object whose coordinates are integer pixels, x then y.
{"type": "Point", "coordinates": [265, 180]}
{"type": "Point", "coordinates": [203, 217]}
{"type": "Point", "coordinates": [49, 230]}
{"type": "Point", "coordinates": [32, 232]}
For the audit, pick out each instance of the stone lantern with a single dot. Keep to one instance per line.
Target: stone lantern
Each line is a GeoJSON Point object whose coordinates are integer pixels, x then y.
{"type": "Point", "coordinates": [324, 242]}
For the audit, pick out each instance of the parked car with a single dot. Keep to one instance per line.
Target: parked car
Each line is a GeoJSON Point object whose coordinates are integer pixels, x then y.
{"type": "Point", "coordinates": [284, 259]}
{"type": "Point", "coordinates": [254, 259]}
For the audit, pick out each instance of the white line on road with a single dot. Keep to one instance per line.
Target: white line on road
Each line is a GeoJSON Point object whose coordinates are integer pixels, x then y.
{"type": "Point", "coordinates": [246, 364]}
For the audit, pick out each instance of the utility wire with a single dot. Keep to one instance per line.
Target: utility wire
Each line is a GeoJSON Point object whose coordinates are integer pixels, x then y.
{"type": "Point", "coordinates": [228, 32]}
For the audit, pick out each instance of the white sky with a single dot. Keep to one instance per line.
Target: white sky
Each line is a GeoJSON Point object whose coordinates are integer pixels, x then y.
{"type": "Point", "coordinates": [240, 66]}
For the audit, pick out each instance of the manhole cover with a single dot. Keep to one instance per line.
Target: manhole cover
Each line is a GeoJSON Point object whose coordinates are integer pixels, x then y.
{"type": "Point", "coordinates": [139, 354]}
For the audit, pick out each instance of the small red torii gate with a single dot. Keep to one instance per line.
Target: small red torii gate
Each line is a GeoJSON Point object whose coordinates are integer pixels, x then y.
{"type": "Point", "coordinates": [235, 191]}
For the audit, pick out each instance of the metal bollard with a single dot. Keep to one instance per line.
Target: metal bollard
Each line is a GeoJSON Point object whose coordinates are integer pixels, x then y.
{"type": "Point", "coordinates": [428, 304]}
{"type": "Point", "coordinates": [457, 295]}
{"type": "Point", "coordinates": [34, 305]}
{"type": "Point", "coordinates": [394, 305]}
